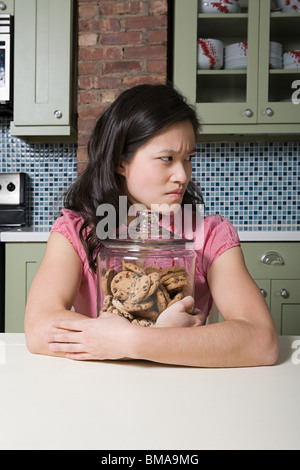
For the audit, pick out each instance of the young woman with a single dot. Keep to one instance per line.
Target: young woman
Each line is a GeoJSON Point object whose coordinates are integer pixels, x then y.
{"type": "Point", "coordinates": [142, 147]}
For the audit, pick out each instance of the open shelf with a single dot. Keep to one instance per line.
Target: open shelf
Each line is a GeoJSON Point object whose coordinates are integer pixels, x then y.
{"type": "Point", "coordinates": [280, 84]}
{"type": "Point", "coordinates": [223, 26]}
{"type": "Point", "coordinates": [226, 86]}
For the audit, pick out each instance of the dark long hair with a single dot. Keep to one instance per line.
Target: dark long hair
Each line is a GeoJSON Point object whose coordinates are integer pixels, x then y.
{"type": "Point", "coordinates": [135, 117]}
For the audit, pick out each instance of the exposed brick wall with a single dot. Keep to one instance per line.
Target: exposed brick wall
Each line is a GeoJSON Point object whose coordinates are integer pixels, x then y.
{"type": "Point", "coordinates": [121, 44]}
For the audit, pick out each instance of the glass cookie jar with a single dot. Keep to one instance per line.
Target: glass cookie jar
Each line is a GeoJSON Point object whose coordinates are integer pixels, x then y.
{"type": "Point", "coordinates": [143, 271]}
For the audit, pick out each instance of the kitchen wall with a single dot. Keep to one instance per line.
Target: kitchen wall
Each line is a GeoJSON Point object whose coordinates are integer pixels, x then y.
{"type": "Point", "coordinates": [254, 184]}
{"type": "Point", "coordinates": [124, 43]}
{"type": "Point", "coordinates": [121, 44]}
{"type": "Point", "coordinates": [51, 169]}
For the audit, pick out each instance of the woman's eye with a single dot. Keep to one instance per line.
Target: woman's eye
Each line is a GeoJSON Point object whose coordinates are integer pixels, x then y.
{"type": "Point", "coordinates": [170, 158]}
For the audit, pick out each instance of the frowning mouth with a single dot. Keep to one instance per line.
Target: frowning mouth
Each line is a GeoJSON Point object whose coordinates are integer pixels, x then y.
{"type": "Point", "coordinates": [176, 193]}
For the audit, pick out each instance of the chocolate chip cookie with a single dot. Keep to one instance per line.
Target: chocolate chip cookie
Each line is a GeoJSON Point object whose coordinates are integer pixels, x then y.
{"type": "Point", "coordinates": [140, 295]}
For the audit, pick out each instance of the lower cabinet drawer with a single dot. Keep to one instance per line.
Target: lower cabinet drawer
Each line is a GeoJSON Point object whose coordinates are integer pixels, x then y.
{"type": "Point", "coordinates": [279, 260]}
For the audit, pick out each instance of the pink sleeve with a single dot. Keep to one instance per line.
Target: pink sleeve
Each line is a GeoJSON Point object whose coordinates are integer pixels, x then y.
{"type": "Point", "coordinates": [219, 236]}
{"type": "Point", "coordinates": [69, 225]}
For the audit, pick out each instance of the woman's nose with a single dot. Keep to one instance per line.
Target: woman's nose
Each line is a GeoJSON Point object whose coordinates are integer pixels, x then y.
{"type": "Point", "coordinates": [180, 174]}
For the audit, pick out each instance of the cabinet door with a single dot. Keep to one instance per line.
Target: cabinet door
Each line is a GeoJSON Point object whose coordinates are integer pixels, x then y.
{"type": "Point", "coordinates": [22, 263]}
{"type": "Point", "coordinates": [222, 96]}
{"type": "Point", "coordinates": [252, 101]}
{"type": "Point", "coordinates": [277, 85]}
{"type": "Point", "coordinates": [43, 59]}
{"type": "Point", "coordinates": [285, 304]}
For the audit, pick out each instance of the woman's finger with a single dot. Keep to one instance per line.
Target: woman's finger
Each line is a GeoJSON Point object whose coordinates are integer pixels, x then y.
{"type": "Point", "coordinates": [81, 357]}
{"type": "Point", "coordinates": [187, 302]}
{"type": "Point", "coordinates": [69, 337]}
{"type": "Point", "coordinates": [67, 347]}
{"type": "Point", "coordinates": [71, 325]}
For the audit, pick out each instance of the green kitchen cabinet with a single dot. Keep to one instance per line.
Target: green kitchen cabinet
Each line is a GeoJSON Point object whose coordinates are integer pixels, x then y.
{"type": "Point", "coordinates": [255, 100]}
{"type": "Point", "coordinates": [44, 68]}
{"type": "Point", "coordinates": [22, 262]}
{"type": "Point", "coordinates": [275, 267]}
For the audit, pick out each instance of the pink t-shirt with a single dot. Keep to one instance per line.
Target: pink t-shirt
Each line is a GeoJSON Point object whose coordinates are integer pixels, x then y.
{"type": "Point", "coordinates": [218, 235]}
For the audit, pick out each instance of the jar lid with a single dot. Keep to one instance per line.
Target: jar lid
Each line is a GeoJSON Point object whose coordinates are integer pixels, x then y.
{"type": "Point", "coordinates": [146, 232]}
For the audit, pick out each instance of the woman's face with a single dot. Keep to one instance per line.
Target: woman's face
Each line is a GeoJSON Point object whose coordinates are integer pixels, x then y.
{"type": "Point", "coordinates": [160, 171]}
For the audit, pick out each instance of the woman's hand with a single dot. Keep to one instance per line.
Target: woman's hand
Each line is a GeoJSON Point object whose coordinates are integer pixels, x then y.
{"type": "Point", "coordinates": [109, 337]}
{"type": "Point", "coordinates": [177, 315]}
{"type": "Point", "coordinates": [104, 338]}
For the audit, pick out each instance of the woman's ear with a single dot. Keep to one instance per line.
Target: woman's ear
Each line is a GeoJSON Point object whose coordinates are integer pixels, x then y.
{"type": "Point", "coordinates": [121, 169]}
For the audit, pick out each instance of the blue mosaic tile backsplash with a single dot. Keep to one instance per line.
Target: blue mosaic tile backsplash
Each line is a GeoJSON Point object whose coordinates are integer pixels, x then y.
{"type": "Point", "coordinates": [51, 169]}
{"type": "Point", "coordinates": [255, 185]}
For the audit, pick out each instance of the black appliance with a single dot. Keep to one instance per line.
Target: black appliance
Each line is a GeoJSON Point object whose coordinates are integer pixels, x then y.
{"type": "Point", "coordinates": [13, 211]}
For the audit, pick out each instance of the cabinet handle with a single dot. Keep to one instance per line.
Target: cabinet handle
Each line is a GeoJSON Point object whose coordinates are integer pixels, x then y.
{"type": "Point", "coordinates": [248, 112]}
{"type": "Point", "coordinates": [284, 293]}
{"type": "Point", "coordinates": [3, 6]}
{"type": "Point", "coordinates": [58, 114]}
{"type": "Point", "coordinates": [263, 292]}
{"type": "Point", "coordinates": [269, 112]}
{"type": "Point", "coordinates": [272, 258]}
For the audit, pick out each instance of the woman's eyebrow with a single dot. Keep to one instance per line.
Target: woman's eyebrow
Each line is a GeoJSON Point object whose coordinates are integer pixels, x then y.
{"type": "Point", "coordinates": [169, 150]}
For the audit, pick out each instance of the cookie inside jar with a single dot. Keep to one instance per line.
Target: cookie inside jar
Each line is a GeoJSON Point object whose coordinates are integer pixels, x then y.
{"type": "Point", "coordinates": [138, 278]}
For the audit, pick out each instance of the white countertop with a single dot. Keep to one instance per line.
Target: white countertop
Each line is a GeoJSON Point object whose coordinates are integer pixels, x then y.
{"type": "Point", "coordinates": [248, 236]}
{"type": "Point", "coordinates": [24, 234]}
{"type": "Point", "coordinates": [54, 403]}
{"type": "Point", "coordinates": [31, 234]}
